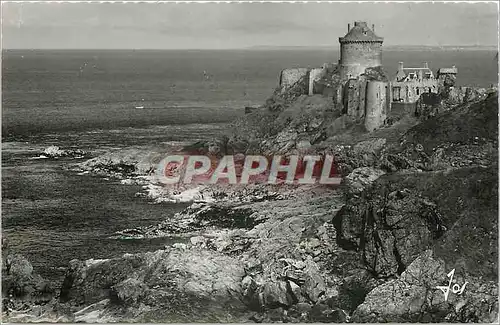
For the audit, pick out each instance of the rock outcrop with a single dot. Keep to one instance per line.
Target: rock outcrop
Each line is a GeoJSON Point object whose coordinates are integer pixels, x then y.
{"type": "Point", "coordinates": [413, 297]}
{"type": "Point", "coordinates": [463, 137]}
{"type": "Point", "coordinates": [22, 286]}
{"type": "Point", "coordinates": [56, 152]}
{"type": "Point", "coordinates": [433, 212]}
{"type": "Point", "coordinates": [402, 214]}
{"type": "Point", "coordinates": [167, 285]}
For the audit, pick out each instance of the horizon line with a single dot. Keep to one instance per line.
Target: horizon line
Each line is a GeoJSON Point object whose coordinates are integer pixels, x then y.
{"type": "Point", "coordinates": [255, 47]}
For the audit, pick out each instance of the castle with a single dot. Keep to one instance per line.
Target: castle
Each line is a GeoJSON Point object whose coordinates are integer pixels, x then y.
{"type": "Point", "coordinates": [358, 83]}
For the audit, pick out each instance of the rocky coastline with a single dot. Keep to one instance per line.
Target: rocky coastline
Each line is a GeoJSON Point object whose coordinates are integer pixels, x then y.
{"type": "Point", "coordinates": [418, 199]}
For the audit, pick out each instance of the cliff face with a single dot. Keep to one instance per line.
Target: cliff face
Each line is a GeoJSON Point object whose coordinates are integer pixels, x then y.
{"type": "Point", "coordinates": [420, 227]}
{"type": "Point", "coordinates": [288, 120]}
{"type": "Point", "coordinates": [291, 120]}
{"type": "Point", "coordinates": [434, 212]}
{"type": "Point", "coordinates": [464, 136]}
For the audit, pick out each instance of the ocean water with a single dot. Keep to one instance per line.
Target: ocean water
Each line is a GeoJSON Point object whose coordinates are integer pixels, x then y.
{"type": "Point", "coordinates": [52, 214]}
{"type": "Point", "coordinates": [75, 90]}
{"type": "Point", "coordinates": [89, 99]}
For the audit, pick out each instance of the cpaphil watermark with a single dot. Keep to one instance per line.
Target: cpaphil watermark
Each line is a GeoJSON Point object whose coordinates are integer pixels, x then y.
{"type": "Point", "coordinates": [241, 169]}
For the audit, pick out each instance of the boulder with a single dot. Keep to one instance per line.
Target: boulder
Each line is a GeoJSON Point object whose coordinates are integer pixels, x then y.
{"type": "Point", "coordinates": [360, 178]}
{"type": "Point", "coordinates": [414, 297]}
{"type": "Point", "coordinates": [128, 291]}
{"type": "Point", "coordinates": [314, 285]}
{"type": "Point", "coordinates": [20, 282]}
{"type": "Point", "coordinates": [369, 149]}
{"type": "Point", "coordinates": [194, 272]}
{"type": "Point", "coordinates": [275, 294]}
{"type": "Point", "coordinates": [18, 267]}
{"type": "Point", "coordinates": [56, 152]}
{"type": "Point", "coordinates": [303, 307]}
{"type": "Point", "coordinates": [198, 241]}
{"type": "Point", "coordinates": [324, 314]}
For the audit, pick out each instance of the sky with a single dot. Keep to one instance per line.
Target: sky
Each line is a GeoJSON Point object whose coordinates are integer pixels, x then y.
{"type": "Point", "coordinates": [240, 25]}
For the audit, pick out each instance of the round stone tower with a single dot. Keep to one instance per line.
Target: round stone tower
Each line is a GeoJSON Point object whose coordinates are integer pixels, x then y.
{"type": "Point", "coordinates": [360, 48]}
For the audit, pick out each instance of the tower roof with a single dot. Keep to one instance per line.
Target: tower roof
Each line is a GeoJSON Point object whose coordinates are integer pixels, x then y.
{"type": "Point", "coordinates": [360, 33]}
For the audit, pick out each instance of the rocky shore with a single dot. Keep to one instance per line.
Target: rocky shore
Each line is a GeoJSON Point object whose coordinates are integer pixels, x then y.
{"type": "Point", "coordinates": [418, 199]}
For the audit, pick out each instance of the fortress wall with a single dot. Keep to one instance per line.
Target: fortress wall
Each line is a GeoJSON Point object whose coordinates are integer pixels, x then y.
{"type": "Point", "coordinates": [354, 102]}
{"type": "Point", "coordinates": [388, 102]}
{"type": "Point", "coordinates": [400, 109]}
{"type": "Point", "coordinates": [376, 104]}
{"type": "Point", "coordinates": [315, 75]}
{"type": "Point", "coordinates": [362, 97]}
{"type": "Point", "coordinates": [338, 96]}
{"type": "Point", "coordinates": [356, 57]}
{"type": "Point", "coordinates": [352, 98]}
{"type": "Point", "coordinates": [289, 77]}
{"type": "Point", "coordinates": [330, 92]}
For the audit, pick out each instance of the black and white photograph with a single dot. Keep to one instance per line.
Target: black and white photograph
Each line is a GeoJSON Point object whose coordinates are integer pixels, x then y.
{"type": "Point", "coordinates": [249, 162]}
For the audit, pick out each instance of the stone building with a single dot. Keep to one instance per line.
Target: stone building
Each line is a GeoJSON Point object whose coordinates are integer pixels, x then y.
{"type": "Point", "coordinates": [360, 48]}
{"type": "Point", "coordinates": [410, 83]}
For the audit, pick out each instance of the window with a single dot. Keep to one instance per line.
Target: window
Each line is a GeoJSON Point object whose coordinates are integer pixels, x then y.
{"type": "Point", "coordinates": [418, 91]}
{"type": "Point", "coordinates": [396, 94]}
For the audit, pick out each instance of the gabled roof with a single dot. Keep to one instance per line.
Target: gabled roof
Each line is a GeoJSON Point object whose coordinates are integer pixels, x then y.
{"type": "Point", "coordinates": [403, 74]}
{"type": "Point", "coordinates": [360, 33]}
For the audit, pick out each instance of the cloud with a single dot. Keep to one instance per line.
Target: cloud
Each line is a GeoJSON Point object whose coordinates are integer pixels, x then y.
{"type": "Point", "coordinates": [226, 25]}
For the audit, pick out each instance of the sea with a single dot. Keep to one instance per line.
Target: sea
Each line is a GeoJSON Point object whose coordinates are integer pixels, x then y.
{"type": "Point", "coordinates": [101, 100]}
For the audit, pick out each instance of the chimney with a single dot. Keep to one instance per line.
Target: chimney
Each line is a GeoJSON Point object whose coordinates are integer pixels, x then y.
{"type": "Point", "coordinates": [426, 65]}
{"type": "Point", "coordinates": [373, 28]}
{"type": "Point", "coordinates": [348, 27]}
{"type": "Point", "coordinates": [400, 67]}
